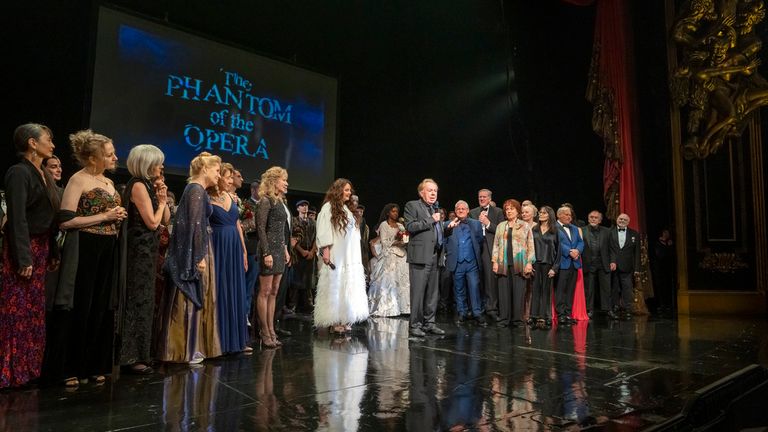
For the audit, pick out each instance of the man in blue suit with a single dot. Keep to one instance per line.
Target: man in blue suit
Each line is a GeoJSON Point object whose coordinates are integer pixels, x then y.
{"type": "Point", "coordinates": [464, 248]}
{"type": "Point", "coordinates": [571, 247]}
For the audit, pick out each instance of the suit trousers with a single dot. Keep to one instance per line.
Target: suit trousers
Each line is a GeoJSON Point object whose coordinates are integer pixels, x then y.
{"type": "Point", "coordinates": [490, 284]}
{"type": "Point", "coordinates": [597, 279]}
{"type": "Point", "coordinates": [466, 282]}
{"type": "Point", "coordinates": [446, 288]}
{"type": "Point", "coordinates": [424, 292]}
{"type": "Point", "coordinates": [511, 297]}
{"type": "Point", "coordinates": [566, 285]}
{"type": "Point", "coordinates": [251, 283]}
{"type": "Point", "coordinates": [622, 291]}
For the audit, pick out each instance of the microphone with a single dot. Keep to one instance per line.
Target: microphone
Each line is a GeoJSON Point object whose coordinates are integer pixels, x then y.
{"type": "Point", "coordinates": [435, 206]}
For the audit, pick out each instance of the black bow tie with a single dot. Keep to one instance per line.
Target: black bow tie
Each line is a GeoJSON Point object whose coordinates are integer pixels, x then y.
{"type": "Point", "coordinates": [567, 226]}
{"type": "Point", "coordinates": [622, 229]}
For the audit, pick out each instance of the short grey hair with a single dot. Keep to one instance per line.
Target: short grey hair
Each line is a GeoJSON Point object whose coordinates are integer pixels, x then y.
{"type": "Point", "coordinates": [490, 194]}
{"type": "Point", "coordinates": [460, 202]}
{"type": "Point", "coordinates": [564, 209]}
{"type": "Point", "coordinates": [142, 159]}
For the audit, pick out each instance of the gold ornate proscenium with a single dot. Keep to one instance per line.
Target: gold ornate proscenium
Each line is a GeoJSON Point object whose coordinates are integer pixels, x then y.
{"type": "Point", "coordinates": [722, 262]}
{"type": "Point", "coordinates": [716, 83]}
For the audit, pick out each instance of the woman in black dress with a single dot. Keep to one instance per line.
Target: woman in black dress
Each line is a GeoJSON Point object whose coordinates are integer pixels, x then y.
{"type": "Point", "coordinates": [272, 223]}
{"type": "Point", "coordinates": [545, 268]}
{"type": "Point", "coordinates": [147, 210]}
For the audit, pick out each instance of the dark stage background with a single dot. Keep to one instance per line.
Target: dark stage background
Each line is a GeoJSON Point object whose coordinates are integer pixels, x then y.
{"type": "Point", "coordinates": [472, 93]}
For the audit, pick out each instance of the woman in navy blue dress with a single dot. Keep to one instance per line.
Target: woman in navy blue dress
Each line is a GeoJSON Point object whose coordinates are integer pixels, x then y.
{"type": "Point", "coordinates": [230, 260]}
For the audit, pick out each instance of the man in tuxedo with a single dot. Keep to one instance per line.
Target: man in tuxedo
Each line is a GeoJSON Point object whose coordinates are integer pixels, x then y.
{"type": "Point", "coordinates": [625, 265]}
{"type": "Point", "coordinates": [489, 216]}
{"type": "Point", "coordinates": [596, 262]}
{"type": "Point", "coordinates": [422, 221]}
{"type": "Point", "coordinates": [571, 248]}
{"type": "Point", "coordinates": [464, 245]}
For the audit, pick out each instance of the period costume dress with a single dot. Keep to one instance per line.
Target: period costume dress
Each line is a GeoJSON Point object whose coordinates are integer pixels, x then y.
{"type": "Point", "coordinates": [389, 293]}
{"type": "Point", "coordinates": [190, 330]}
{"type": "Point", "coordinates": [341, 294]}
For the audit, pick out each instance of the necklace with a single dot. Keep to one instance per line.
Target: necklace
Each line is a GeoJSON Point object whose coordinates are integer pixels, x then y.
{"type": "Point", "coordinates": [219, 198]}
{"type": "Point", "coordinates": [98, 177]}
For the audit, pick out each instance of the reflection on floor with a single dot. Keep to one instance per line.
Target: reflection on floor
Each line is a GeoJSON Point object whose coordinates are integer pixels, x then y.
{"type": "Point", "coordinates": [624, 375]}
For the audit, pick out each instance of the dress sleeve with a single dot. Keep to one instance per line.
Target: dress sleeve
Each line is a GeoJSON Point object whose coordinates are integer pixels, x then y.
{"type": "Point", "coordinates": [17, 191]}
{"type": "Point", "coordinates": [324, 227]}
{"type": "Point", "coordinates": [262, 218]}
{"type": "Point", "coordinates": [189, 242]}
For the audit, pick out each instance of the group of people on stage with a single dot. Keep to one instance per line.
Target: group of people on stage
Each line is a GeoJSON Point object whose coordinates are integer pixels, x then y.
{"type": "Point", "coordinates": [95, 276]}
{"type": "Point", "coordinates": [515, 265]}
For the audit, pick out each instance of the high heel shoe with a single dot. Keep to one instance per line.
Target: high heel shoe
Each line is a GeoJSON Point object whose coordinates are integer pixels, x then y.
{"type": "Point", "coordinates": [276, 341]}
{"type": "Point", "coordinates": [266, 341]}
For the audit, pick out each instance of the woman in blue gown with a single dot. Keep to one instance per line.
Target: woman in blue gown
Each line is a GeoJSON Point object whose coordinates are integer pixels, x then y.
{"type": "Point", "coordinates": [230, 260]}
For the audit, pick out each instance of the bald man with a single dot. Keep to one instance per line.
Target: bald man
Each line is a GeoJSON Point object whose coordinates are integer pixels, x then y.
{"type": "Point", "coordinates": [624, 265]}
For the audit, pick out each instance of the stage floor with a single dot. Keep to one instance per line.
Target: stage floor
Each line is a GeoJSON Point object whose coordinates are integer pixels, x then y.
{"type": "Point", "coordinates": [601, 375]}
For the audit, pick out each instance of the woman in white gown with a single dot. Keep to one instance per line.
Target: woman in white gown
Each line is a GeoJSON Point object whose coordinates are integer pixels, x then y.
{"type": "Point", "coordinates": [341, 299]}
{"type": "Point", "coordinates": [390, 291]}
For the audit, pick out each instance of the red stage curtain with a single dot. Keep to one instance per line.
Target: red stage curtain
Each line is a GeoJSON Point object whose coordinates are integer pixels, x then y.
{"type": "Point", "coordinates": [610, 89]}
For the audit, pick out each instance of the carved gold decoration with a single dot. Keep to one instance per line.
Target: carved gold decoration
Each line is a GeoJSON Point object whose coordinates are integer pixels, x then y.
{"type": "Point", "coordinates": [722, 262]}
{"type": "Point", "coordinates": [716, 82]}
{"type": "Point", "coordinates": [643, 284]}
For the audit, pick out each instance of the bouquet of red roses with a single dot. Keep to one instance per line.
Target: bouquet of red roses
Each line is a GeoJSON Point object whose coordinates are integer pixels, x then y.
{"type": "Point", "coordinates": [247, 212]}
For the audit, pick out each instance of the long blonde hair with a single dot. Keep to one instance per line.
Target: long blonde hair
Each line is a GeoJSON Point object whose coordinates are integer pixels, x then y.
{"type": "Point", "coordinates": [268, 186]}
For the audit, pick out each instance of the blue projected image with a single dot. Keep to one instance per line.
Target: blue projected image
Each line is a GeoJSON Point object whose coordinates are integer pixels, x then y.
{"type": "Point", "coordinates": [185, 94]}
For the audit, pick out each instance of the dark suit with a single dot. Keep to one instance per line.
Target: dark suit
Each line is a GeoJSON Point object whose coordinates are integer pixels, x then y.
{"type": "Point", "coordinates": [490, 280]}
{"type": "Point", "coordinates": [466, 268]}
{"type": "Point", "coordinates": [569, 267]}
{"type": "Point", "coordinates": [423, 252]}
{"type": "Point", "coordinates": [627, 260]}
{"type": "Point", "coordinates": [596, 262]}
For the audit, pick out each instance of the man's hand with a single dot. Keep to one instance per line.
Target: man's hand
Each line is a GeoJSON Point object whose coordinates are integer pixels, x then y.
{"type": "Point", "coordinates": [483, 218]}
{"type": "Point", "coordinates": [436, 216]}
{"type": "Point", "coordinates": [613, 266]}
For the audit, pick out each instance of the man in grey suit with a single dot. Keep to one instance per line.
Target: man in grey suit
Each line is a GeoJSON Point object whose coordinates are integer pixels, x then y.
{"type": "Point", "coordinates": [422, 221]}
{"type": "Point", "coordinates": [596, 263]}
{"type": "Point", "coordinates": [490, 216]}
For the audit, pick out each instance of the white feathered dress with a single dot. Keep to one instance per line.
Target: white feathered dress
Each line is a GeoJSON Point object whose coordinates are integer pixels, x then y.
{"type": "Point", "coordinates": [341, 297]}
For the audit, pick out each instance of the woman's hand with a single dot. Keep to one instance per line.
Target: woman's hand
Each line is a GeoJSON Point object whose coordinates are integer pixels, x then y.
{"type": "Point", "coordinates": [162, 193]}
{"type": "Point", "coordinates": [551, 273]}
{"type": "Point", "coordinates": [268, 261]}
{"type": "Point", "coordinates": [528, 271]}
{"type": "Point", "coordinates": [201, 265]}
{"type": "Point", "coordinates": [287, 257]}
{"type": "Point", "coordinates": [25, 272]}
{"type": "Point", "coordinates": [245, 261]}
{"type": "Point", "coordinates": [495, 267]}
{"type": "Point", "coordinates": [326, 255]}
{"type": "Point", "coordinates": [116, 214]}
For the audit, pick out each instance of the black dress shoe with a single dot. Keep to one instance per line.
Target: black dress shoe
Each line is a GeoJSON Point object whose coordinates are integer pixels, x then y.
{"type": "Point", "coordinates": [612, 315]}
{"type": "Point", "coordinates": [417, 332]}
{"type": "Point", "coordinates": [435, 330]}
{"type": "Point", "coordinates": [481, 321]}
{"type": "Point", "coordinates": [502, 324]}
{"type": "Point", "coordinates": [461, 319]}
{"type": "Point", "coordinates": [589, 314]}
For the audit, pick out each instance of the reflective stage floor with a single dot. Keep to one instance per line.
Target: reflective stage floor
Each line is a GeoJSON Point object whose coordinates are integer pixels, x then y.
{"type": "Point", "coordinates": [601, 375]}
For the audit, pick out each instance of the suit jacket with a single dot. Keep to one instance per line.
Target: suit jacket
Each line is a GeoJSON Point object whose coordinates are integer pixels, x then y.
{"type": "Point", "coordinates": [420, 226]}
{"type": "Point", "coordinates": [566, 244]}
{"type": "Point", "coordinates": [627, 259]}
{"type": "Point", "coordinates": [495, 216]}
{"type": "Point", "coordinates": [603, 235]}
{"type": "Point", "coordinates": [452, 243]}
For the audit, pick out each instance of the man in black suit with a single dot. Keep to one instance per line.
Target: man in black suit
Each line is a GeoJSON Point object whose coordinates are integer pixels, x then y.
{"type": "Point", "coordinates": [422, 221]}
{"type": "Point", "coordinates": [597, 263]}
{"type": "Point", "coordinates": [490, 216]}
{"type": "Point", "coordinates": [625, 265]}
